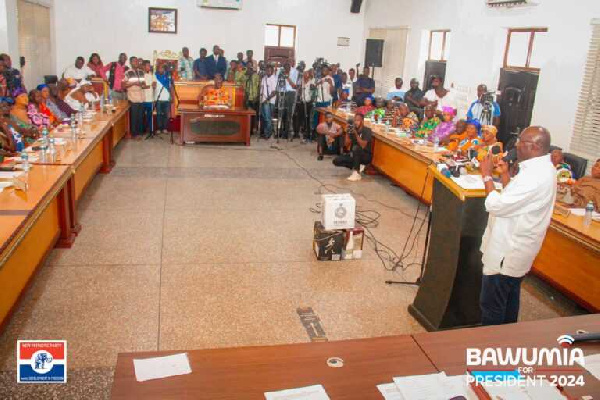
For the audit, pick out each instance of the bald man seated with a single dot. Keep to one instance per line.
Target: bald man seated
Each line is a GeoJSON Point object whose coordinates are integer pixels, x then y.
{"type": "Point", "coordinates": [519, 216]}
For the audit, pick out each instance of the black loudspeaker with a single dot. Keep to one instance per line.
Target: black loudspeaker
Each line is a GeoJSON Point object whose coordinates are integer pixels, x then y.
{"type": "Point", "coordinates": [374, 53]}
{"type": "Point", "coordinates": [355, 6]}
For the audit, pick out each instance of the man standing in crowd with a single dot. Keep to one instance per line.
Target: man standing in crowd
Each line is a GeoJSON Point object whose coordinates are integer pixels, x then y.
{"type": "Point", "coordinates": [216, 63]}
{"type": "Point", "coordinates": [304, 107]}
{"type": "Point", "coordinates": [365, 87]}
{"type": "Point", "coordinates": [477, 110]}
{"type": "Point", "coordinates": [240, 59]}
{"type": "Point", "coordinates": [201, 66]}
{"type": "Point", "coordinates": [291, 78]}
{"type": "Point", "coordinates": [268, 92]}
{"type": "Point", "coordinates": [396, 93]}
{"type": "Point", "coordinates": [14, 77]}
{"type": "Point", "coordinates": [250, 82]}
{"type": "Point", "coordinates": [359, 138]}
{"type": "Point", "coordinates": [352, 80]}
{"type": "Point", "coordinates": [517, 223]}
{"type": "Point", "coordinates": [323, 92]}
{"type": "Point", "coordinates": [79, 71]}
{"type": "Point", "coordinates": [337, 81]}
{"type": "Point", "coordinates": [414, 96]}
{"type": "Point", "coordinates": [135, 84]}
{"type": "Point", "coordinates": [250, 60]}
{"type": "Point", "coordinates": [117, 76]}
{"type": "Point", "coordinates": [186, 65]}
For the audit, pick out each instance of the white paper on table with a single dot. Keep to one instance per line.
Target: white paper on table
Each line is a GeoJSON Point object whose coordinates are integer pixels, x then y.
{"type": "Point", "coordinates": [580, 212]}
{"type": "Point", "coordinates": [421, 387]}
{"type": "Point", "coordinates": [161, 367]}
{"type": "Point", "coordinates": [506, 392]}
{"type": "Point", "coordinates": [543, 390]}
{"type": "Point", "coordinates": [473, 182]}
{"type": "Point", "coordinates": [592, 364]}
{"type": "Point", "coordinates": [390, 391]}
{"type": "Point", "coordinates": [11, 174]}
{"type": "Point", "coordinates": [458, 385]}
{"type": "Point", "coordinates": [4, 185]}
{"type": "Point", "coordinates": [315, 392]}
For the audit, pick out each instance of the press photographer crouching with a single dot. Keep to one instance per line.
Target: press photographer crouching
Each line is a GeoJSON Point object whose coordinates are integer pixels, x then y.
{"type": "Point", "coordinates": [359, 139]}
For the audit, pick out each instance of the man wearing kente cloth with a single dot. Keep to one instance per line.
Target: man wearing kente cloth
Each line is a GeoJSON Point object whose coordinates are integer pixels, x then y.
{"type": "Point", "coordinates": [587, 189]}
{"type": "Point", "coordinates": [215, 95]}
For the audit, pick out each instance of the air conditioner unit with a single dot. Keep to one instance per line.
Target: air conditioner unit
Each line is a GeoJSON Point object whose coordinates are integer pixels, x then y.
{"type": "Point", "coordinates": [508, 3]}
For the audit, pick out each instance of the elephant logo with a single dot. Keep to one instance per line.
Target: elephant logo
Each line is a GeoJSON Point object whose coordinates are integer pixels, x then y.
{"type": "Point", "coordinates": [42, 362]}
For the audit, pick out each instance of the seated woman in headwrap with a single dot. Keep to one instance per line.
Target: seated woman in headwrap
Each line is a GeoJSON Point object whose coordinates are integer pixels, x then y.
{"type": "Point", "coordinates": [16, 121]}
{"type": "Point", "coordinates": [367, 106]}
{"type": "Point", "coordinates": [446, 127]}
{"type": "Point", "coordinates": [34, 110]}
{"type": "Point", "coordinates": [405, 119]}
{"type": "Point", "coordinates": [378, 113]}
{"type": "Point", "coordinates": [47, 103]}
{"type": "Point", "coordinates": [470, 138]}
{"type": "Point", "coordinates": [587, 189]}
{"type": "Point", "coordinates": [429, 123]}
{"type": "Point", "coordinates": [488, 140]}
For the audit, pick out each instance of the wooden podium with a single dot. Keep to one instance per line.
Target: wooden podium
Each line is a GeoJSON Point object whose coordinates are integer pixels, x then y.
{"type": "Point", "coordinates": [211, 125]}
{"type": "Point", "coordinates": [448, 296]}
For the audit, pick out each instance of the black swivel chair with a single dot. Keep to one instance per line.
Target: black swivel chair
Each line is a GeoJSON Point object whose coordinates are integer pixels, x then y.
{"type": "Point", "coordinates": [578, 164]}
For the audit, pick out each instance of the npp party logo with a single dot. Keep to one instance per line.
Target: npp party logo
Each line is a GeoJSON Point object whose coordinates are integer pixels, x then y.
{"type": "Point", "coordinates": [41, 361]}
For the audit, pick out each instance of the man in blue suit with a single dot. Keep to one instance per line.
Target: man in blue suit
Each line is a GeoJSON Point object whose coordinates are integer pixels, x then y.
{"type": "Point", "coordinates": [216, 63]}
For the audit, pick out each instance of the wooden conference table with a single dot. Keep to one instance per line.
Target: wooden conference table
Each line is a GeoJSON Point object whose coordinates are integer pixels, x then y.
{"type": "Point", "coordinates": [248, 372]}
{"type": "Point", "coordinates": [33, 222]}
{"type": "Point", "coordinates": [570, 255]}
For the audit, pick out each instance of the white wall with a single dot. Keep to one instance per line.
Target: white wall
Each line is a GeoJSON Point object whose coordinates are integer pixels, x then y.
{"type": "Point", "coordinates": [113, 26]}
{"type": "Point", "coordinates": [477, 47]}
{"type": "Point", "coordinates": [9, 39]}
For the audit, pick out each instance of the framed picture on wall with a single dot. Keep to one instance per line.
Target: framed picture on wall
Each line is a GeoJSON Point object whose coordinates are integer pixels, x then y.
{"type": "Point", "coordinates": [162, 20]}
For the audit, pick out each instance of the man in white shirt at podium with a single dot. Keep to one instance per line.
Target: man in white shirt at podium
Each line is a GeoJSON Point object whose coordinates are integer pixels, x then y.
{"type": "Point", "coordinates": [519, 216]}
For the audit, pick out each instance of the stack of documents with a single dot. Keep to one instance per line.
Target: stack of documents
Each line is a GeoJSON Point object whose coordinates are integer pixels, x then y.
{"type": "Point", "coordinates": [315, 392]}
{"type": "Point", "coordinates": [161, 367]}
{"type": "Point", "coordinates": [442, 387]}
{"type": "Point", "coordinates": [427, 387]}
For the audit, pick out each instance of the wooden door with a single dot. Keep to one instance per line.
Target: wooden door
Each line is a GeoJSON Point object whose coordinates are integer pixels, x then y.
{"type": "Point", "coordinates": [516, 99]}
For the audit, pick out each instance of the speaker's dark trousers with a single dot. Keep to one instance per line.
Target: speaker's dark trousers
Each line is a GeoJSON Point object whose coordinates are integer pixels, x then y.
{"type": "Point", "coordinates": [499, 299]}
{"type": "Point", "coordinates": [288, 105]}
{"type": "Point", "coordinates": [354, 159]}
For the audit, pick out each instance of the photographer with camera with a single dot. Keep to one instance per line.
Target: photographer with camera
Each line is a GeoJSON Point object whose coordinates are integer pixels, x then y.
{"type": "Point", "coordinates": [359, 139]}
{"type": "Point", "coordinates": [485, 109]}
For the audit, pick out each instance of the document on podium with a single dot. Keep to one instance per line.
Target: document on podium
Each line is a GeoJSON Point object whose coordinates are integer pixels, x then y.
{"type": "Point", "coordinates": [315, 392]}
{"type": "Point", "coordinates": [161, 367]}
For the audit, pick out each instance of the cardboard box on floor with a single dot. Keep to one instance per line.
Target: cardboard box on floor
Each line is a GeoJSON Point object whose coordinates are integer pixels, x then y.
{"type": "Point", "coordinates": [337, 244]}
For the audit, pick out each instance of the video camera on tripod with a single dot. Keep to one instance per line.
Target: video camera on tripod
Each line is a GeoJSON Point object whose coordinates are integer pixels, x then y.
{"type": "Point", "coordinates": [318, 65]}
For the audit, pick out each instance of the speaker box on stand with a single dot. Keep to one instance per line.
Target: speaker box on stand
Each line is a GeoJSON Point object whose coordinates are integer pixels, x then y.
{"type": "Point", "coordinates": [374, 54]}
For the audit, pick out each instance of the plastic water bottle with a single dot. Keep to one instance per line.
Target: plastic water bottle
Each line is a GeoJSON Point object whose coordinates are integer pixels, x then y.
{"type": "Point", "coordinates": [387, 126]}
{"type": "Point", "coordinates": [73, 128]}
{"type": "Point", "coordinates": [102, 103]}
{"type": "Point", "coordinates": [52, 150]}
{"type": "Point", "coordinates": [589, 211]}
{"type": "Point", "coordinates": [25, 161]}
{"type": "Point", "coordinates": [436, 144]}
{"type": "Point", "coordinates": [45, 139]}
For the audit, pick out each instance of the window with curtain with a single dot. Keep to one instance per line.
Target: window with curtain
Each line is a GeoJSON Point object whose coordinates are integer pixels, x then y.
{"type": "Point", "coordinates": [585, 140]}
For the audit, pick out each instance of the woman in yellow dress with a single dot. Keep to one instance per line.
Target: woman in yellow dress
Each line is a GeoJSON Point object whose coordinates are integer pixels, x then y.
{"type": "Point", "coordinates": [488, 140]}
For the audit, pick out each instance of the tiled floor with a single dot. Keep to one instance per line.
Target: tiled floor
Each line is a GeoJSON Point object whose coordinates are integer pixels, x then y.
{"type": "Point", "coordinates": [206, 246]}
